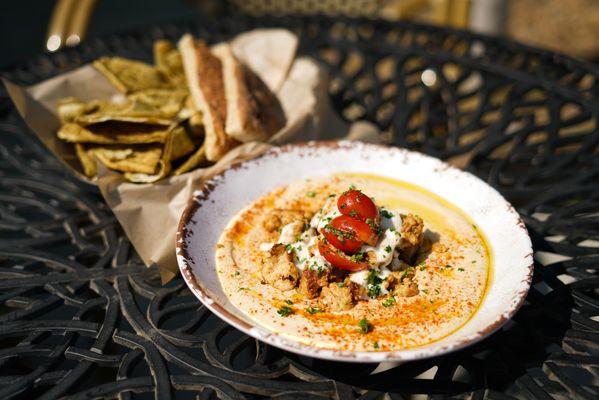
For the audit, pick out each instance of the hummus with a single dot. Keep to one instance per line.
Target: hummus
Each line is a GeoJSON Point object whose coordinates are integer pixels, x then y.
{"type": "Point", "coordinates": [426, 272]}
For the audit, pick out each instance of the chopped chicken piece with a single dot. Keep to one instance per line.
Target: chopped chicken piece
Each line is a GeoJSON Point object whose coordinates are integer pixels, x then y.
{"type": "Point", "coordinates": [336, 298]}
{"type": "Point", "coordinates": [402, 284]}
{"type": "Point", "coordinates": [411, 237]}
{"type": "Point", "coordinates": [312, 281]}
{"type": "Point", "coordinates": [278, 218]}
{"type": "Point", "coordinates": [278, 268]}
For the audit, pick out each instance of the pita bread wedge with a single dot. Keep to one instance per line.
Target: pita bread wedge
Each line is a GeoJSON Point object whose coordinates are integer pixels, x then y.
{"type": "Point", "coordinates": [204, 75]}
{"type": "Point", "coordinates": [182, 144]}
{"type": "Point", "coordinates": [141, 158]}
{"type": "Point", "coordinates": [113, 133]}
{"type": "Point", "coordinates": [134, 110]}
{"type": "Point", "coordinates": [253, 111]}
{"type": "Point", "coordinates": [268, 52]}
{"type": "Point", "coordinates": [198, 158]}
{"type": "Point", "coordinates": [131, 76]}
{"type": "Point", "coordinates": [168, 61]}
{"type": "Point", "coordinates": [70, 108]}
{"type": "Point", "coordinates": [88, 163]}
{"type": "Point", "coordinates": [162, 169]}
{"type": "Point", "coordinates": [165, 102]}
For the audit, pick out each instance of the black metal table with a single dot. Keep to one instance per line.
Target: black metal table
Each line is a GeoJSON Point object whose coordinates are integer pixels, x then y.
{"type": "Point", "coordinates": [81, 316]}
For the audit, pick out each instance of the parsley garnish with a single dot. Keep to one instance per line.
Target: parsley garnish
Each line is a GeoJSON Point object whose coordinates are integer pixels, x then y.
{"type": "Point", "coordinates": [424, 291]}
{"type": "Point", "coordinates": [352, 187]}
{"type": "Point", "coordinates": [285, 311]}
{"type": "Point", "coordinates": [388, 249]}
{"type": "Point", "coordinates": [341, 235]}
{"type": "Point", "coordinates": [386, 213]}
{"type": "Point", "coordinates": [374, 283]}
{"type": "Point", "coordinates": [389, 302]}
{"type": "Point", "coordinates": [313, 310]}
{"type": "Point", "coordinates": [289, 302]}
{"type": "Point", "coordinates": [311, 194]}
{"type": "Point", "coordinates": [358, 256]}
{"type": "Point", "coordinates": [289, 248]}
{"type": "Point", "coordinates": [370, 222]}
{"type": "Point", "coordinates": [364, 326]}
{"type": "Point", "coordinates": [461, 269]}
{"type": "Point", "coordinates": [375, 345]}
{"type": "Point", "coordinates": [353, 213]}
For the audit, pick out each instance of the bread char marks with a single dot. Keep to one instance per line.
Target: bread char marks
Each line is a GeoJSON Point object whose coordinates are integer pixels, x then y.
{"type": "Point", "coordinates": [204, 73]}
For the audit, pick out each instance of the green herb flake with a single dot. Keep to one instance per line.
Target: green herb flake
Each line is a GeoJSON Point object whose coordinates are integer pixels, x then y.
{"type": "Point", "coordinates": [461, 269]}
{"type": "Point", "coordinates": [375, 345]}
{"type": "Point", "coordinates": [285, 311]}
{"type": "Point", "coordinates": [437, 291]}
{"type": "Point", "coordinates": [353, 213]}
{"type": "Point", "coordinates": [311, 194]}
{"type": "Point", "coordinates": [374, 283]}
{"type": "Point", "coordinates": [242, 288]}
{"type": "Point", "coordinates": [237, 273]}
{"type": "Point", "coordinates": [358, 257]}
{"type": "Point", "coordinates": [386, 213]}
{"type": "Point", "coordinates": [364, 326]}
{"type": "Point", "coordinates": [352, 187]}
{"type": "Point", "coordinates": [388, 249]}
{"type": "Point", "coordinates": [424, 291]}
{"type": "Point", "coordinates": [289, 302]}
{"type": "Point", "coordinates": [313, 310]}
{"type": "Point", "coordinates": [448, 266]}
{"type": "Point", "coordinates": [389, 302]}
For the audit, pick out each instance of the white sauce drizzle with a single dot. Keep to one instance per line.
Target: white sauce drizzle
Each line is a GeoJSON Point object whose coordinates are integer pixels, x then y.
{"type": "Point", "coordinates": [305, 250]}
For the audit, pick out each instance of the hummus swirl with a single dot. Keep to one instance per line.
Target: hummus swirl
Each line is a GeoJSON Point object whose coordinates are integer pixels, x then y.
{"type": "Point", "coordinates": [425, 276]}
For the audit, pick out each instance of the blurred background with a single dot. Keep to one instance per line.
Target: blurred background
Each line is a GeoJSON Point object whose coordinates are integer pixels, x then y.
{"type": "Point", "coordinates": [28, 27]}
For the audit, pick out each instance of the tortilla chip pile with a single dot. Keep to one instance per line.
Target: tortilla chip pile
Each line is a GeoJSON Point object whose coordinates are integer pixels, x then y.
{"type": "Point", "coordinates": [148, 131]}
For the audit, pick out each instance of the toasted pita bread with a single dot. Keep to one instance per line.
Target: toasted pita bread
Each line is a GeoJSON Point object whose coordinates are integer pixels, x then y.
{"type": "Point", "coordinates": [130, 76]}
{"type": "Point", "coordinates": [113, 133]}
{"type": "Point", "coordinates": [196, 159]}
{"type": "Point", "coordinates": [168, 61]}
{"type": "Point", "coordinates": [88, 163]}
{"type": "Point", "coordinates": [205, 79]}
{"type": "Point", "coordinates": [268, 52]}
{"type": "Point", "coordinates": [253, 111]}
{"type": "Point", "coordinates": [142, 158]}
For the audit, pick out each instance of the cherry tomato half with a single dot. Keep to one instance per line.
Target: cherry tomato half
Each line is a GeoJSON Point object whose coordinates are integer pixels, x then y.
{"type": "Point", "coordinates": [338, 259]}
{"type": "Point", "coordinates": [360, 230]}
{"type": "Point", "coordinates": [342, 239]}
{"type": "Point", "coordinates": [356, 204]}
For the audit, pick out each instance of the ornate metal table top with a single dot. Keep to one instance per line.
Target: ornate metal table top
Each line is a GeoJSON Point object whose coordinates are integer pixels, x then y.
{"type": "Point", "coordinates": [82, 317]}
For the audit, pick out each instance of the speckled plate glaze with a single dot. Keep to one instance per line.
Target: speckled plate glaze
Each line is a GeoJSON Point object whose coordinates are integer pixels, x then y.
{"type": "Point", "coordinates": [219, 200]}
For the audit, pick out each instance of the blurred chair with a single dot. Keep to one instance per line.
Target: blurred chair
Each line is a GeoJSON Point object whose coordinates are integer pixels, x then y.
{"type": "Point", "coordinates": [68, 23]}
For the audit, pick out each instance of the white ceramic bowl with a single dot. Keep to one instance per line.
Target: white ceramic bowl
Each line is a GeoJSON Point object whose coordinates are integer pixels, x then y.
{"type": "Point", "coordinates": [221, 198]}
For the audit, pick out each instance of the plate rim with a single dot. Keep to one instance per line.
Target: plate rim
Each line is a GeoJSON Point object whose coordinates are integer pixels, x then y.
{"type": "Point", "coordinates": [417, 353]}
